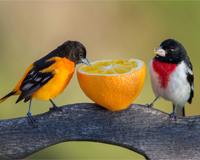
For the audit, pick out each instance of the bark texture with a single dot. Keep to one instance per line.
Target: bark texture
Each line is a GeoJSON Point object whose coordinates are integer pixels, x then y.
{"type": "Point", "coordinates": [144, 130]}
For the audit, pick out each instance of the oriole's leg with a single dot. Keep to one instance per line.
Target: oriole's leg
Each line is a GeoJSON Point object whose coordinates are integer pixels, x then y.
{"type": "Point", "coordinates": [55, 107]}
{"type": "Point", "coordinates": [151, 105]}
{"type": "Point", "coordinates": [30, 117]}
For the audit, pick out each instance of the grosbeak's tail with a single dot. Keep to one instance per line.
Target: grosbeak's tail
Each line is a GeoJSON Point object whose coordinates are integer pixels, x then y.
{"type": "Point", "coordinates": [180, 111]}
{"type": "Point", "coordinates": [8, 95]}
{"type": "Point", "coordinates": [183, 111]}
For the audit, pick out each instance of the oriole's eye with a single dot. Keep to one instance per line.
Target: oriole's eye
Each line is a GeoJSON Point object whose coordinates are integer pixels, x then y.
{"type": "Point", "coordinates": [81, 54]}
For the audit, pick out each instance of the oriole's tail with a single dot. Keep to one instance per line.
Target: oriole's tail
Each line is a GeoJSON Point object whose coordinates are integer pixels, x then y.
{"type": "Point", "coordinates": [8, 95]}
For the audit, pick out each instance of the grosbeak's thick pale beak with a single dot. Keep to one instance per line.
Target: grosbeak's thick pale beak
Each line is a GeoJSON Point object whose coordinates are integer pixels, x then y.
{"type": "Point", "coordinates": [84, 60]}
{"type": "Point", "coordinates": [160, 51]}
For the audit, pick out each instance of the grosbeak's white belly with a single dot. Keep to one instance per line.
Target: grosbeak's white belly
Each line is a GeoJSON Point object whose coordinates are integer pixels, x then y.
{"type": "Point", "coordinates": [170, 81]}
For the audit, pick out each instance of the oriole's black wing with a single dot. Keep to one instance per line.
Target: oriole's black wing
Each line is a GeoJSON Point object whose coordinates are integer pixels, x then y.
{"type": "Point", "coordinates": [36, 79]}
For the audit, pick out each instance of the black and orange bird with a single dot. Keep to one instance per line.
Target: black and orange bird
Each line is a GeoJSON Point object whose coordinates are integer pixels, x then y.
{"type": "Point", "coordinates": [47, 77]}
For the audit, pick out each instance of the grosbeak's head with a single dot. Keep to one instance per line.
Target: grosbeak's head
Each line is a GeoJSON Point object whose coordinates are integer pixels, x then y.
{"type": "Point", "coordinates": [171, 51]}
{"type": "Point", "coordinates": [74, 51]}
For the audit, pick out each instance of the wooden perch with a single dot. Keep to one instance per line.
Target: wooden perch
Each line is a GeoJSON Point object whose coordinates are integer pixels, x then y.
{"type": "Point", "coordinates": [146, 131]}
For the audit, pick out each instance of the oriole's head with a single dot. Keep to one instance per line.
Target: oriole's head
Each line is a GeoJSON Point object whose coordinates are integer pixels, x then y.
{"type": "Point", "coordinates": [74, 51]}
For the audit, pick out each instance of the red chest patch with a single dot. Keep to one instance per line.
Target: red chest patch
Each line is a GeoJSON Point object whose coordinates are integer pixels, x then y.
{"type": "Point", "coordinates": [164, 71]}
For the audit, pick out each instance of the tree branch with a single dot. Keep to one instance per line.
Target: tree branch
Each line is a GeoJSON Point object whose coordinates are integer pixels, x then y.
{"type": "Point", "coordinates": [144, 130]}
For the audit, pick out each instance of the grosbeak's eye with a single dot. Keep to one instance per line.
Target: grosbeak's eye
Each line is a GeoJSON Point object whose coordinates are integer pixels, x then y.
{"type": "Point", "coordinates": [172, 50]}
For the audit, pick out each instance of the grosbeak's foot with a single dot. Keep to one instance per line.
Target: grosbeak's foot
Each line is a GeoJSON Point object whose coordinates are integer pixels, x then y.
{"type": "Point", "coordinates": [55, 108]}
{"type": "Point", "coordinates": [30, 118]}
{"type": "Point", "coordinates": [172, 116]}
{"type": "Point", "coordinates": [149, 105]}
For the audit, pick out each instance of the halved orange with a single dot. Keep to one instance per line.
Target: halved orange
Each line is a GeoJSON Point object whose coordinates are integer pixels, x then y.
{"type": "Point", "coordinates": [113, 84]}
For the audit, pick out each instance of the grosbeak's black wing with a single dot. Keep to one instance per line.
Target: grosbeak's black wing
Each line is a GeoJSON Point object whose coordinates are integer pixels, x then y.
{"type": "Point", "coordinates": [35, 79]}
{"type": "Point", "coordinates": [190, 79]}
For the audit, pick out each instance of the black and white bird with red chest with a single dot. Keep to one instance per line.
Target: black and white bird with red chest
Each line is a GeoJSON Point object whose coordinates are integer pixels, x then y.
{"type": "Point", "coordinates": [171, 75]}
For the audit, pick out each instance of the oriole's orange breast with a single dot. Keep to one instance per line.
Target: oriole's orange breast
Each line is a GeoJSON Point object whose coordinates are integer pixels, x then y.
{"type": "Point", "coordinates": [63, 70]}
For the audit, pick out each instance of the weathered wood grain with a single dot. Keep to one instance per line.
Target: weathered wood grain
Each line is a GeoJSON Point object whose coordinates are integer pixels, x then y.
{"type": "Point", "coordinates": [144, 130]}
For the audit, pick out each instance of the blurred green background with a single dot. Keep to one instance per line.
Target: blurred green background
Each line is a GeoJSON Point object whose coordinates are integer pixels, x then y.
{"type": "Point", "coordinates": [109, 30]}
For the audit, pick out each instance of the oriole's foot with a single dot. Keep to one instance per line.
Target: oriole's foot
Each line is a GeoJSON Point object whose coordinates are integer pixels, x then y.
{"type": "Point", "coordinates": [149, 105]}
{"type": "Point", "coordinates": [55, 108]}
{"type": "Point", "coordinates": [30, 118]}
